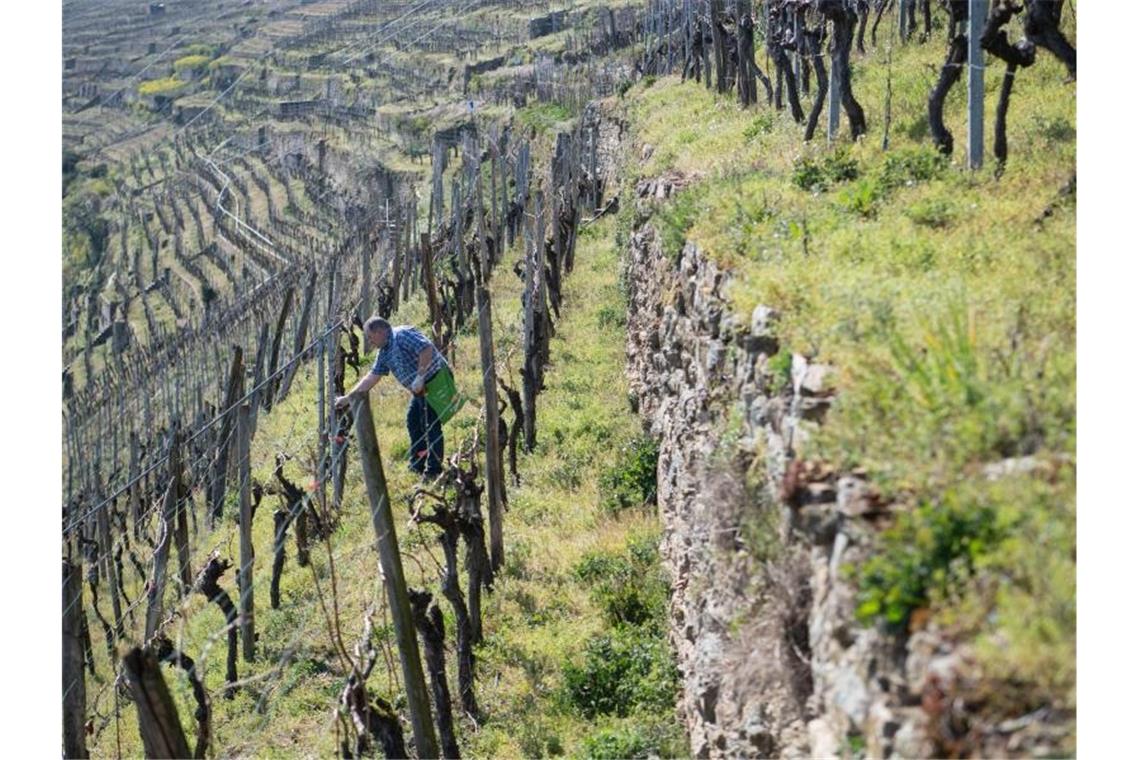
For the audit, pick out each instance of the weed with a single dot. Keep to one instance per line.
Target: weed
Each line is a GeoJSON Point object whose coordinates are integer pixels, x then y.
{"type": "Point", "coordinates": [863, 197]}
{"type": "Point", "coordinates": [629, 588]}
{"type": "Point", "coordinates": [934, 212]}
{"type": "Point", "coordinates": [761, 125]}
{"type": "Point", "coordinates": [632, 480]}
{"type": "Point", "coordinates": [926, 551]}
{"type": "Point", "coordinates": [818, 176]}
{"type": "Point", "coordinates": [624, 669]}
{"type": "Point", "coordinates": [635, 738]}
{"type": "Point", "coordinates": [674, 219]}
{"type": "Point", "coordinates": [610, 316]}
{"type": "Point", "coordinates": [1055, 129]}
{"type": "Point", "coordinates": [779, 370]}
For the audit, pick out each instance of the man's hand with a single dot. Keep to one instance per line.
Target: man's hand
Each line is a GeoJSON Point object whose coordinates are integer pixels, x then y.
{"type": "Point", "coordinates": [342, 401]}
{"type": "Point", "coordinates": [418, 385]}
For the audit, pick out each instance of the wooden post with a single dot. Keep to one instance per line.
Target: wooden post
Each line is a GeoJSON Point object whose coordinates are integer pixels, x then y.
{"type": "Point", "coordinates": [397, 265]}
{"type": "Point", "coordinates": [134, 495]}
{"type": "Point", "coordinates": [165, 536]}
{"type": "Point", "coordinates": [975, 84]}
{"type": "Point", "coordinates": [493, 464]}
{"type": "Point", "coordinates": [245, 527]}
{"type": "Point", "coordinates": [270, 390]}
{"type": "Point", "coordinates": [258, 375]}
{"type": "Point", "coordinates": [299, 338]}
{"type": "Point", "coordinates": [74, 681]}
{"type": "Point", "coordinates": [181, 529]}
{"type": "Point", "coordinates": [159, 726]}
{"type": "Point", "coordinates": [432, 294]}
{"type": "Point", "coordinates": [834, 99]}
{"type": "Point", "coordinates": [392, 570]}
{"type": "Point", "coordinates": [107, 560]}
{"type": "Point", "coordinates": [221, 456]}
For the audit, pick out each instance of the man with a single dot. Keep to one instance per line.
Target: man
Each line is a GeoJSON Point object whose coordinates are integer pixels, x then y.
{"type": "Point", "coordinates": [416, 363]}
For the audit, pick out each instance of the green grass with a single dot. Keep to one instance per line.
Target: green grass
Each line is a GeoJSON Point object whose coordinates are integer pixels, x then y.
{"type": "Point", "coordinates": [948, 310]}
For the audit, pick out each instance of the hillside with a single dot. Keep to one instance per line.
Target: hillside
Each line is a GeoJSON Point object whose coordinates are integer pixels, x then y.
{"type": "Point", "coordinates": [794, 420]}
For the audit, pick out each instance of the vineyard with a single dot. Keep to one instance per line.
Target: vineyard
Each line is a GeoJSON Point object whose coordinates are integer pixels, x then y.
{"type": "Point", "coordinates": [246, 184]}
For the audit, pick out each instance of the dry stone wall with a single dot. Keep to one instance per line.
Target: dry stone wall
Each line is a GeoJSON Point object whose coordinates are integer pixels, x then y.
{"type": "Point", "coordinates": [762, 616]}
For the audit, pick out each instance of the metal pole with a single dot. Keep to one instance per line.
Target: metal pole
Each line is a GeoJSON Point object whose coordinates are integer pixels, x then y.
{"type": "Point", "coordinates": [975, 84]}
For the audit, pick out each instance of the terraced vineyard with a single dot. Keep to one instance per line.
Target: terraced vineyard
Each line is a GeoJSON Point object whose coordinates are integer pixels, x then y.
{"type": "Point", "coordinates": [722, 258]}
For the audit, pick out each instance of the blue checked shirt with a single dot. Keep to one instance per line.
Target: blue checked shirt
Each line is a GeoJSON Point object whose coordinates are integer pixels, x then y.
{"type": "Point", "coordinates": [400, 355]}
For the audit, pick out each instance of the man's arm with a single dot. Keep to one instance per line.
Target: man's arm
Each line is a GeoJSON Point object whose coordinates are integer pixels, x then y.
{"type": "Point", "coordinates": [363, 385]}
{"type": "Point", "coordinates": [423, 363]}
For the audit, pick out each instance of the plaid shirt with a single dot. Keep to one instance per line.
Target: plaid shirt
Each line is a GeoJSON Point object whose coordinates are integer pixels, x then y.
{"type": "Point", "coordinates": [400, 356]}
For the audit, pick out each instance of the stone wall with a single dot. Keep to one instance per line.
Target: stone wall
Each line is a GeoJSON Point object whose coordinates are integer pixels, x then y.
{"type": "Point", "coordinates": [755, 539]}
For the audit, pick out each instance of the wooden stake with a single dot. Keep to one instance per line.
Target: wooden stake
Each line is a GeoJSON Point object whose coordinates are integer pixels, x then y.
{"type": "Point", "coordinates": [432, 294]}
{"type": "Point", "coordinates": [165, 537]}
{"type": "Point", "coordinates": [245, 527]}
{"type": "Point", "coordinates": [392, 570]}
{"type": "Point", "coordinates": [221, 456]}
{"type": "Point", "coordinates": [159, 725]}
{"type": "Point", "coordinates": [74, 681]}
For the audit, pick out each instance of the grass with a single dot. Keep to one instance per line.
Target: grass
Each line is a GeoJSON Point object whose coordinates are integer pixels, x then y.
{"type": "Point", "coordinates": [946, 301]}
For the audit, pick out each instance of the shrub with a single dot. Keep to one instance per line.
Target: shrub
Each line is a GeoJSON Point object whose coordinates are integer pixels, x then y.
{"type": "Point", "coordinates": [932, 549]}
{"type": "Point", "coordinates": [814, 176]}
{"type": "Point", "coordinates": [610, 316]}
{"type": "Point", "coordinates": [635, 739]}
{"type": "Point", "coordinates": [632, 480]}
{"type": "Point", "coordinates": [863, 197]}
{"type": "Point", "coordinates": [1056, 129]}
{"type": "Point", "coordinates": [808, 175]}
{"type": "Point", "coordinates": [676, 218]}
{"type": "Point", "coordinates": [631, 589]}
{"type": "Point", "coordinates": [780, 370]}
{"type": "Point", "coordinates": [908, 166]}
{"type": "Point", "coordinates": [761, 125]}
{"type": "Point", "coordinates": [166, 86]}
{"type": "Point", "coordinates": [537, 739]}
{"type": "Point", "coordinates": [191, 62]}
{"type": "Point", "coordinates": [623, 670]}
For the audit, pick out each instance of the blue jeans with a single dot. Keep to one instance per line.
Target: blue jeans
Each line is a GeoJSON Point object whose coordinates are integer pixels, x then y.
{"type": "Point", "coordinates": [426, 437]}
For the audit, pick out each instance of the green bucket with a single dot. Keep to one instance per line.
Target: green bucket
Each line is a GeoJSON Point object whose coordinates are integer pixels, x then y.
{"type": "Point", "coordinates": [442, 396]}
